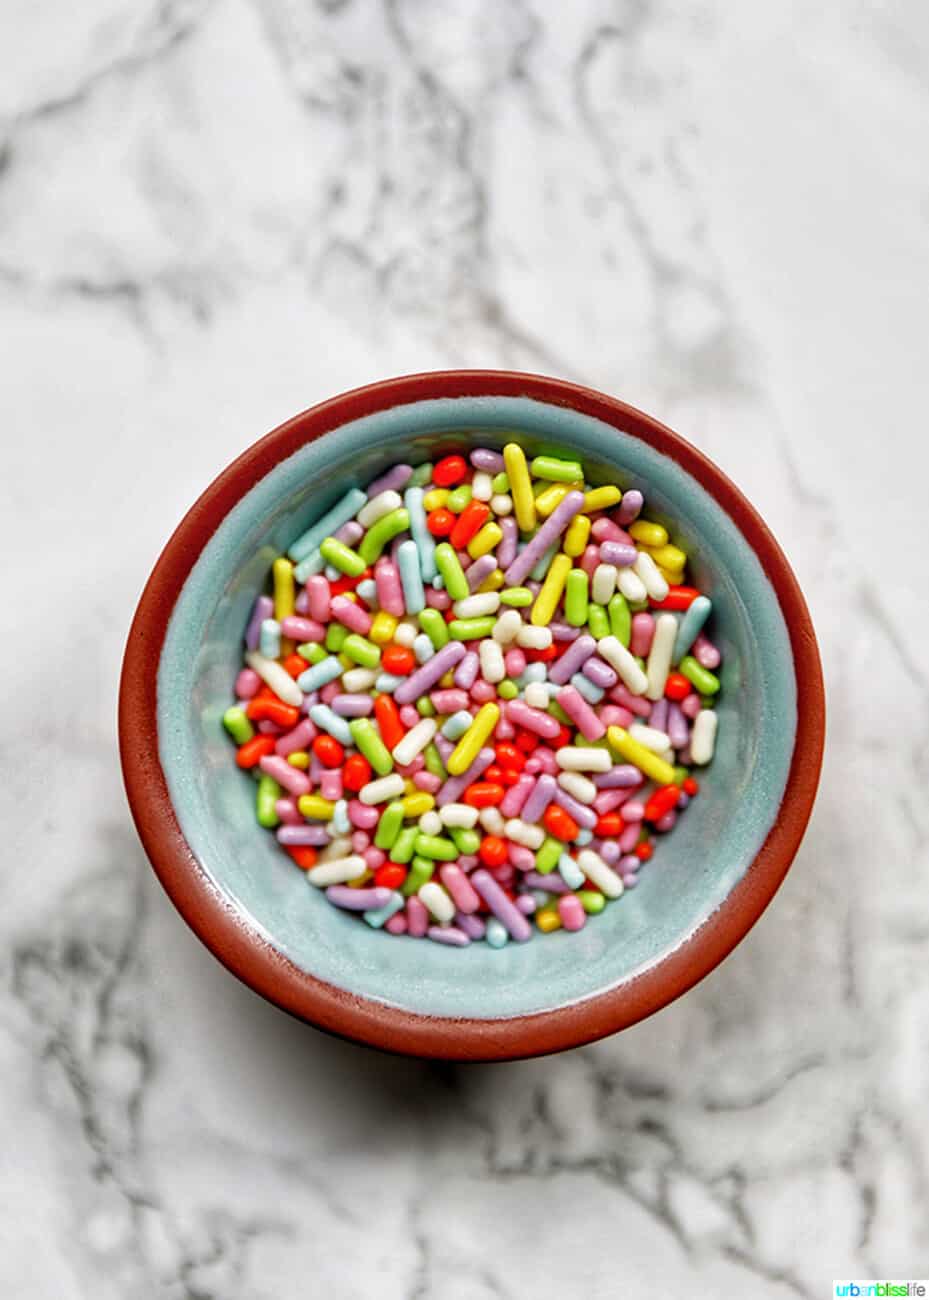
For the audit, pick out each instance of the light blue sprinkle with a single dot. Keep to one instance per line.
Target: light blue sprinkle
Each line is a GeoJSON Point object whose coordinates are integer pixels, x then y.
{"type": "Point", "coordinates": [531, 673]}
{"type": "Point", "coordinates": [425, 546]}
{"type": "Point", "coordinates": [542, 567]}
{"type": "Point", "coordinates": [423, 648]}
{"type": "Point", "coordinates": [456, 726]}
{"type": "Point", "coordinates": [331, 521]}
{"type": "Point", "coordinates": [324, 717]}
{"type": "Point", "coordinates": [332, 573]}
{"type": "Point", "coordinates": [340, 822]}
{"type": "Point", "coordinates": [308, 568]}
{"type": "Point", "coordinates": [387, 683]}
{"type": "Point", "coordinates": [690, 625]}
{"type": "Point", "coordinates": [319, 675]}
{"type": "Point", "coordinates": [584, 686]}
{"type": "Point", "coordinates": [584, 836]}
{"type": "Point", "coordinates": [411, 580]}
{"type": "Point", "coordinates": [378, 916]}
{"type": "Point", "coordinates": [540, 896]}
{"type": "Point", "coordinates": [367, 591]}
{"type": "Point", "coordinates": [570, 872]}
{"type": "Point", "coordinates": [437, 583]}
{"type": "Point", "coordinates": [496, 933]}
{"type": "Point", "coordinates": [269, 640]}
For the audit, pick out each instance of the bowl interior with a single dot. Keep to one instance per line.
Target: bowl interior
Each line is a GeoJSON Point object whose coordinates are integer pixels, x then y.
{"type": "Point", "coordinates": [693, 868]}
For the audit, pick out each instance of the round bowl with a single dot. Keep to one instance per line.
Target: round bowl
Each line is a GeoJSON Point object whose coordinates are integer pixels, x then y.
{"type": "Point", "coordinates": [706, 885]}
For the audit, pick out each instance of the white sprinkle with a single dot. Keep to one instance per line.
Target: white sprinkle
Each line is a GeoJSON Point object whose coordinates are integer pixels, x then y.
{"type": "Point", "coordinates": [603, 583]}
{"type": "Point", "coordinates": [415, 741]}
{"type": "Point", "coordinates": [579, 787]}
{"type": "Point", "coordinates": [507, 626]}
{"type": "Point", "coordinates": [405, 633]}
{"type": "Point", "coordinates": [618, 657]}
{"type": "Point", "coordinates": [501, 504]}
{"type": "Point", "coordinates": [359, 679]}
{"type": "Point", "coordinates": [337, 872]}
{"type": "Point", "coordinates": [595, 869]}
{"type": "Point", "coordinates": [378, 507]}
{"type": "Point", "coordinates": [492, 821]}
{"type": "Point", "coordinates": [576, 758]}
{"type": "Point", "coordinates": [703, 736]}
{"type": "Point", "coordinates": [430, 823]}
{"type": "Point", "coordinates": [520, 832]}
{"type": "Point", "coordinates": [534, 638]}
{"type": "Point", "coordinates": [493, 669]}
{"type": "Point", "coordinates": [386, 787]}
{"type": "Point", "coordinates": [658, 664]}
{"type": "Point", "coordinates": [653, 739]}
{"type": "Point", "coordinates": [631, 585]}
{"type": "Point", "coordinates": [273, 675]}
{"type": "Point", "coordinates": [482, 488]}
{"type": "Point", "coordinates": [437, 901]}
{"type": "Point", "coordinates": [647, 570]}
{"type": "Point", "coordinates": [458, 814]}
{"type": "Point", "coordinates": [477, 606]}
{"type": "Point", "coordinates": [536, 695]}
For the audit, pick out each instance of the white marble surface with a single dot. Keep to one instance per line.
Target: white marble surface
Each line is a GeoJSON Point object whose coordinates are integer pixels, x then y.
{"type": "Point", "coordinates": [213, 214]}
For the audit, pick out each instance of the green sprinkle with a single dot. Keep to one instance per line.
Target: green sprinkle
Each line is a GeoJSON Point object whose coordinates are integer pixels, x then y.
{"type": "Point", "coordinates": [342, 557]}
{"type": "Point", "coordinates": [436, 846]}
{"type": "Point", "coordinates": [518, 597]}
{"type": "Point", "coordinates": [592, 901]}
{"type": "Point", "coordinates": [237, 724]}
{"type": "Point", "coordinates": [361, 650]}
{"type": "Point", "coordinates": [701, 678]}
{"type": "Point", "coordinates": [458, 499]}
{"type": "Point", "coordinates": [421, 475]}
{"type": "Point", "coordinates": [575, 598]}
{"type": "Point", "coordinates": [424, 707]}
{"type": "Point", "coordinates": [390, 825]}
{"type": "Point", "coordinates": [557, 471]}
{"type": "Point", "coordinates": [379, 534]}
{"type": "Point", "coordinates": [456, 584]}
{"type": "Point", "coordinates": [500, 483]}
{"type": "Point", "coordinates": [465, 840]}
{"type": "Point", "coordinates": [558, 713]}
{"type": "Point", "coordinates": [336, 636]}
{"type": "Point", "coordinates": [620, 618]}
{"type": "Point", "coordinates": [546, 859]}
{"type": "Point", "coordinates": [404, 846]}
{"type": "Point", "coordinates": [420, 871]}
{"type": "Point", "coordinates": [434, 626]}
{"type": "Point", "coordinates": [434, 762]}
{"type": "Point", "coordinates": [507, 689]}
{"type": "Point", "coordinates": [266, 796]}
{"type": "Point", "coordinates": [471, 629]}
{"type": "Point", "coordinates": [598, 625]}
{"type": "Point", "coordinates": [311, 652]}
{"type": "Point", "coordinates": [366, 737]}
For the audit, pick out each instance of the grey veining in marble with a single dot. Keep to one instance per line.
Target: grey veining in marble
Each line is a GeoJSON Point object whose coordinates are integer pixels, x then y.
{"type": "Point", "coordinates": [214, 213]}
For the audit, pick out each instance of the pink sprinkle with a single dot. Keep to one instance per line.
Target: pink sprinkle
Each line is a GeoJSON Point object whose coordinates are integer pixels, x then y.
{"type": "Point", "coordinates": [417, 917]}
{"type": "Point", "coordinates": [523, 859]}
{"type": "Point", "coordinates": [396, 924]}
{"type": "Point", "coordinates": [330, 784]}
{"type": "Point", "coordinates": [303, 629]}
{"type": "Point", "coordinates": [409, 716]}
{"type": "Point", "coordinates": [504, 730]}
{"type": "Point", "coordinates": [571, 911]}
{"type": "Point", "coordinates": [247, 684]}
{"type": "Point", "coordinates": [482, 692]}
{"type": "Point", "coordinates": [643, 629]}
{"type": "Point", "coordinates": [590, 559]}
{"type": "Point", "coordinates": [629, 838]}
{"type": "Point", "coordinates": [460, 888]}
{"type": "Point", "coordinates": [288, 812]}
{"type": "Point", "coordinates": [612, 715]}
{"type": "Point", "coordinates": [363, 815]}
{"type": "Point", "coordinates": [292, 779]}
{"type": "Point", "coordinates": [329, 692]}
{"type": "Point", "coordinates": [360, 841]}
{"type": "Point", "coordinates": [690, 705]}
{"type": "Point", "coordinates": [351, 615]}
{"type": "Point", "coordinates": [515, 662]}
{"type": "Point", "coordinates": [427, 781]}
{"type": "Point", "coordinates": [302, 736]}
{"type": "Point", "coordinates": [447, 702]}
{"type": "Point", "coordinates": [389, 590]}
{"type": "Point", "coordinates": [317, 595]}
{"type": "Point", "coordinates": [633, 811]}
{"type": "Point", "coordinates": [705, 652]}
{"type": "Point", "coordinates": [634, 703]}
{"type": "Point", "coordinates": [580, 713]}
{"type": "Point", "coordinates": [374, 858]}
{"type": "Point", "coordinates": [438, 599]}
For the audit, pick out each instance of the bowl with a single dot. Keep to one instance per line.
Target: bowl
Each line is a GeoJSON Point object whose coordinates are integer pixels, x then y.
{"type": "Point", "coordinates": [706, 885]}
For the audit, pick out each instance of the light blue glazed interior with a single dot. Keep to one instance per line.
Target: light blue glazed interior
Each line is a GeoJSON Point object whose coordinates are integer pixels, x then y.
{"type": "Point", "coordinates": [693, 869]}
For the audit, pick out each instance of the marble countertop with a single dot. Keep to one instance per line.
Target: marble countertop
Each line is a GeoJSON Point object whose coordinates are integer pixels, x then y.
{"type": "Point", "coordinates": [214, 213]}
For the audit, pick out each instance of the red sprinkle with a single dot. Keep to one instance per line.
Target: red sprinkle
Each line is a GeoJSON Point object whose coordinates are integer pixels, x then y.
{"type": "Point", "coordinates": [449, 471]}
{"type": "Point", "coordinates": [398, 660]}
{"type": "Point", "coordinates": [690, 787]}
{"type": "Point", "coordinates": [559, 823]}
{"type": "Point", "coordinates": [440, 522]}
{"type": "Point", "coordinates": [328, 750]}
{"type": "Point", "coordinates": [677, 598]}
{"type": "Point", "coordinates": [251, 753]}
{"type": "Point", "coordinates": [493, 851]}
{"type": "Point", "coordinates": [469, 523]}
{"type": "Point", "coordinates": [303, 854]}
{"type": "Point", "coordinates": [484, 794]}
{"type": "Point", "coordinates": [391, 875]}
{"type": "Point", "coordinates": [388, 721]}
{"type": "Point", "coordinates": [356, 772]}
{"type": "Point", "coordinates": [661, 802]}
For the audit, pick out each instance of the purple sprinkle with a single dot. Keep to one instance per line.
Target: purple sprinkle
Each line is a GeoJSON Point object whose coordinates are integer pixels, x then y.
{"type": "Point", "coordinates": [455, 786]}
{"type": "Point", "coordinates": [569, 506]}
{"type": "Point", "coordinates": [526, 904]}
{"type": "Point", "coordinates": [313, 835]}
{"type": "Point", "coordinates": [472, 925]}
{"type": "Point", "coordinates": [609, 851]}
{"type": "Point", "coordinates": [658, 718]}
{"type": "Point", "coordinates": [564, 632]}
{"type": "Point", "coordinates": [629, 863]}
{"type": "Point", "coordinates": [564, 668]}
{"type": "Point", "coordinates": [476, 573]}
{"type": "Point", "coordinates": [418, 683]}
{"type": "Point", "coordinates": [352, 706]}
{"type": "Point", "coordinates": [582, 814]}
{"type": "Point", "coordinates": [666, 823]}
{"type": "Point", "coordinates": [302, 603]}
{"type": "Point", "coordinates": [491, 462]}
{"type": "Point", "coordinates": [467, 670]}
{"type": "Point", "coordinates": [622, 775]}
{"type": "Point", "coordinates": [552, 884]}
{"type": "Point", "coordinates": [678, 730]}
{"type": "Point", "coordinates": [448, 934]}
{"type": "Point", "coordinates": [539, 799]}
{"type": "Point", "coordinates": [617, 553]}
{"type": "Point", "coordinates": [629, 507]}
{"type": "Point", "coordinates": [444, 746]}
{"type": "Point", "coordinates": [350, 533]}
{"type": "Point", "coordinates": [263, 608]}
{"type": "Point", "coordinates": [503, 909]}
{"type": "Point", "coordinates": [600, 673]}
{"type": "Point", "coordinates": [358, 900]}
{"type": "Point", "coordinates": [506, 547]}
{"type": "Point", "coordinates": [393, 480]}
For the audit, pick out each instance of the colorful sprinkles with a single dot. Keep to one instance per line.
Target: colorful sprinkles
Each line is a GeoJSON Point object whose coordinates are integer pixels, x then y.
{"type": "Point", "coordinates": [474, 696]}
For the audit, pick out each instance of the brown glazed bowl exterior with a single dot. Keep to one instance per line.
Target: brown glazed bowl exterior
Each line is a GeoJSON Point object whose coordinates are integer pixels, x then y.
{"type": "Point", "coordinates": [242, 950]}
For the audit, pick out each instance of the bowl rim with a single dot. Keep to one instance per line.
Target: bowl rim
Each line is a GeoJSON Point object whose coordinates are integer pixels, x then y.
{"type": "Point", "coordinates": [262, 967]}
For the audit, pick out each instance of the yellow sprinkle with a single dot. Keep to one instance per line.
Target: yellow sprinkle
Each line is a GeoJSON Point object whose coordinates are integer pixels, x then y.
{"type": "Point", "coordinates": [383, 627]}
{"type": "Point", "coordinates": [282, 572]}
{"type": "Point", "coordinates": [602, 498]}
{"type": "Point", "coordinates": [673, 577]}
{"type": "Point", "coordinates": [644, 759]}
{"type": "Point", "coordinates": [410, 788]}
{"type": "Point", "coordinates": [414, 805]}
{"type": "Point", "coordinates": [514, 462]}
{"type": "Point", "coordinates": [543, 611]}
{"type": "Point", "coordinates": [553, 495]}
{"type": "Point", "coordinates": [299, 758]}
{"type": "Point", "coordinates": [483, 543]}
{"type": "Point", "coordinates": [668, 556]}
{"type": "Point", "coordinates": [575, 539]}
{"type": "Point", "coordinates": [493, 582]}
{"type": "Point", "coordinates": [447, 679]}
{"type": "Point", "coordinates": [435, 499]}
{"type": "Point", "coordinates": [346, 662]}
{"type": "Point", "coordinates": [316, 807]}
{"type": "Point", "coordinates": [360, 880]}
{"type": "Point", "coordinates": [468, 747]}
{"type": "Point", "coordinates": [648, 534]}
{"type": "Point", "coordinates": [547, 919]}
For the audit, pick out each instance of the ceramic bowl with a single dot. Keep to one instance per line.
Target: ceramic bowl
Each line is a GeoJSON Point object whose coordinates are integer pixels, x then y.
{"type": "Point", "coordinates": [708, 882]}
